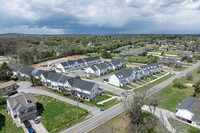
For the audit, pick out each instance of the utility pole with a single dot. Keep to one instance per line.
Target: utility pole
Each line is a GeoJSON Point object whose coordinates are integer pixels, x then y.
{"type": "Point", "coordinates": [77, 107]}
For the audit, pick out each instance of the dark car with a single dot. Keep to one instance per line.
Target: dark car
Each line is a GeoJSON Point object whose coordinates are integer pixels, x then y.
{"type": "Point", "coordinates": [27, 124]}
{"type": "Point", "coordinates": [36, 120]}
{"type": "Point", "coordinates": [13, 93]}
{"type": "Point", "coordinates": [31, 130]}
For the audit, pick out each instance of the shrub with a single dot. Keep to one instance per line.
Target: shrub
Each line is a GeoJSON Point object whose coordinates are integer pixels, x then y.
{"type": "Point", "coordinates": [189, 76]}
{"type": "Point", "coordinates": [178, 83]}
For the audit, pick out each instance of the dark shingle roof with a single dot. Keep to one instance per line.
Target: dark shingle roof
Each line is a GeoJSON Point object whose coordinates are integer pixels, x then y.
{"type": "Point", "coordinates": [91, 58]}
{"type": "Point", "coordinates": [52, 76]}
{"type": "Point", "coordinates": [80, 61]}
{"type": "Point", "coordinates": [71, 62]}
{"type": "Point", "coordinates": [26, 70]}
{"type": "Point", "coordinates": [115, 62]}
{"type": "Point", "coordinates": [124, 73]}
{"type": "Point", "coordinates": [64, 78]}
{"type": "Point", "coordinates": [101, 66]}
{"type": "Point", "coordinates": [64, 64]}
{"type": "Point", "coordinates": [39, 72]}
{"type": "Point", "coordinates": [77, 82]}
{"type": "Point", "coordinates": [109, 64]}
{"type": "Point", "coordinates": [93, 68]}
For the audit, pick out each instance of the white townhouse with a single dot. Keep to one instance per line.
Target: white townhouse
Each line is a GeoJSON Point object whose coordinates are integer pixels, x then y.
{"type": "Point", "coordinates": [73, 64]}
{"type": "Point", "coordinates": [22, 107]}
{"type": "Point", "coordinates": [111, 66]}
{"type": "Point", "coordinates": [81, 63]}
{"type": "Point", "coordinates": [83, 89]}
{"type": "Point", "coordinates": [62, 67]}
{"type": "Point", "coordinates": [91, 71]}
{"type": "Point", "coordinates": [121, 78]}
{"type": "Point", "coordinates": [139, 73]}
{"type": "Point", "coordinates": [102, 69]}
{"type": "Point", "coordinates": [92, 60]}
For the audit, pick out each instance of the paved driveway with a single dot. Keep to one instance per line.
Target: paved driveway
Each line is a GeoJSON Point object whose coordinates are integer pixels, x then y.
{"type": "Point", "coordinates": [26, 87]}
{"type": "Point", "coordinates": [39, 128]}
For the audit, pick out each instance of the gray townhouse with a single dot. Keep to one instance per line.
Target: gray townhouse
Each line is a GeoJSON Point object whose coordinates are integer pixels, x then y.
{"type": "Point", "coordinates": [83, 89]}
{"type": "Point", "coordinates": [92, 60]}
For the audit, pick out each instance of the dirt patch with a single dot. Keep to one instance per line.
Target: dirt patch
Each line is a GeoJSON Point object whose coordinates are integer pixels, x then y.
{"type": "Point", "coordinates": [50, 64]}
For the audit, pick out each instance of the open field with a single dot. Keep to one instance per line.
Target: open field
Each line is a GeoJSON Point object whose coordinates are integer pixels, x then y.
{"type": "Point", "coordinates": [182, 127]}
{"type": "Point", "coordinates": [57, 115]}
{"type": "Point", "coordinates": [6, 122]}
{"type": "Point", "coordinates": [171, 52]}
{"type": "Point", "coordinates": [120, 124]}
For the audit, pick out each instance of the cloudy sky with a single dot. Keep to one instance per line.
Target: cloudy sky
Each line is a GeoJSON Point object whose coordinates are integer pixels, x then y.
{"type": "Point", "coordinates": [99, 16]}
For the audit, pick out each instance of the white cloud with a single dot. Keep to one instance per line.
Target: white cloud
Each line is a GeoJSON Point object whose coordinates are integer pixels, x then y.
{"type": "Point", "coordinates": [159, 14]}
{"type": "Point", "coordinates": [33, 30]}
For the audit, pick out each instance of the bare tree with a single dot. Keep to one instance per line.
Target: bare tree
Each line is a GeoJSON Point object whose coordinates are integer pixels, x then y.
{"type": "Point", "coordinates": [189, 76]}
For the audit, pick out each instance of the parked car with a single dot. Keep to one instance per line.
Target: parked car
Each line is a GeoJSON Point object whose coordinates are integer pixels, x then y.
{"type": "Point", "coordinates": [105, 80]}
{"type": "Point", "coordinates": [36, 120]}
{"type": "Point", "coordinates": [31, 130]}
{"type": "Point", "coordinates": [27, 124]}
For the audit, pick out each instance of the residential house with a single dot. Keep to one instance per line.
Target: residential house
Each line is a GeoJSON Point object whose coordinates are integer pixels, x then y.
{"type": "Point", "coordinates": [25, 72]}
{"type": "Point", "coordinates": [91, 71]}
{"type": "Point", "coordinates": [187, 53]}
{"type": "Point", "coordinates": [73, 64]}
{"type": "Point", "coordinates": [92, 60]}
{"type": "Point", "coordinates": [121, 78]}
{"type": "Point", "coordinates": [188, 111]}
{"type": "Point", "coordinates": [111, 67]}
{"type": "Point", "coordinates": [22, 107]}
{"type": "Point", "coordinates": [102, 69]}
{"type": "Point", "coordinates": [166, 62]}
{"type": "Point", "coordinates": [62, 67]}
{"type": "Point", "coordinates": [138, 73]}
{"type": "Point", "coordinates": [8, 87]}
{"type": "Point", "coordinates": [81, 63]}
{"type": "Point", "coordinates": [118, 64]}
{"type": "Point", "coordinates": [83, 89]}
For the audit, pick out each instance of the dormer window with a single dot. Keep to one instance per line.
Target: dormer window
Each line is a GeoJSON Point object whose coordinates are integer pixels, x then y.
{"type": "Point", "coordinates": [29, 101]}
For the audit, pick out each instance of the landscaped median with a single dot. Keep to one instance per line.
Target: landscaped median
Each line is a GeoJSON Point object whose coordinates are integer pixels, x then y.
{"type": "Point", "coordinates": [57, 115]}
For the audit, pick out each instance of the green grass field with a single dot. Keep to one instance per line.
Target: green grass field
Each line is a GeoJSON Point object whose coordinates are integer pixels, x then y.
{"type": "Point", "coordinates": [182, 127]}
{"type": "Point", "coordinates": [148, 86]}
{"type": "Point", "coordinates": [169, 97]}
{"type": "Point", "coordinates": [6, 122]}
{"type": "Point", "coordinates": [169, 52]}
{"type": "Point", "coordinates": [57, 115]}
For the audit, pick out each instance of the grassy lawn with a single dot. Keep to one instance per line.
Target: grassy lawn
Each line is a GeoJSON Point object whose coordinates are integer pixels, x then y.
{"type": "Point", "coordinates": [120, 124]}
{"type": "Point", "coordinates": [169, 97]}
{"type": "Point", "coordinates": [126, 88]}
{"type": "Point", "coordinates": [148, 86]}
{"type": "Point", "coordinates": [178, 69]}
{"type": "Point", "coordinates": [89, 103]}
{"type": "Point", "coordinates": [172, 52]}
{"type": "Point", "coordinates": [6, 122]}
{"type": "Point", "coordinates": [110, 103]}
{"type": "Point", "coordinates": [110, 93]}
{"type": "Point", "coordinates": [182, 127]}
{"type": "Point", "coordinates": [57, 115]}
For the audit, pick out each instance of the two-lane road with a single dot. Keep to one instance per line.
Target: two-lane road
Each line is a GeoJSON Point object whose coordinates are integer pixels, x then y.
{"type": "Point", "coordinates": [95, 121]}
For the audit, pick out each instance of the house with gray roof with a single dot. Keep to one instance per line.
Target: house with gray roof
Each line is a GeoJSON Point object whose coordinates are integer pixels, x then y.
{"type": "Point", "coordinates": [189, 110]}
{"type": "Point", "coordinates": [92, 60]}
{"type": "Point", "coordinates": [83, 89]}
{"type": "Point", "coordinates": [62, 67]}
{"type": "Point", "coordinates": [187, 53]}
{"type": "Point", "coordinates": [22, 107]}
{"type": "Point", "coordinates": [25, 72]}
{"type": "Point", "coordinates": [118, 64]}
{"type": "Point", "coordinates": [102, 69]}
{"type": "Point", "coordinates": [122, 78]}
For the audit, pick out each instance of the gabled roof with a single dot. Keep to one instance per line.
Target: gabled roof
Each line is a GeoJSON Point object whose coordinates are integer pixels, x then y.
{"type": "Point", "coordinates": [124, 73]}
{"type": "Point", "coordinates": [39, 72]}
{"type": "Point", "coordinates": [6, 84]}
{"type": "Point", "coordinates": [187, 53]}
{"type": "Point", "coordinates": [109, 64]}
{"type": "Point", "coordinates": [91, 58]}
{"type": "Point", "coordinates": [93, 68]}
{"type": "Point", "coordinates": [22, 99]}
{"type": "Point", "coordinates": [64, 64]}
{"type": "Point", "coordinates": [77, 82]}
{"type": "Point", "coordinates": [52, 76]}
{"type": "Point", "coordinates": [80, 61]}
{"type": "Point", "coordinates": [64, 78]}
{"type": "Point", "coordinates": [71, 62]}
{"type": "Point", "coordinates": [101, 66]}
{"type": "Point", "coordinates": [26, 70]}
{"type": "Point", "coordinates": [115, 62]}
{"type": "Point", "coordinates": [190, 104]}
